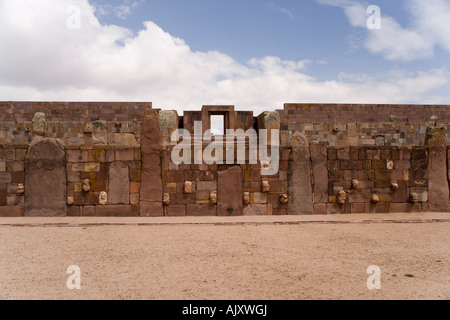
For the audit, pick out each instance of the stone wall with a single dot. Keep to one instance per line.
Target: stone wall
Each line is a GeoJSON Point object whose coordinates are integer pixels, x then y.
{"type": "Point", "coordinates": [116, 160]}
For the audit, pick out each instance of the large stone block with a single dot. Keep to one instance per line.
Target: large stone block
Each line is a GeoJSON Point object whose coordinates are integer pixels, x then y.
{"type": "Point", "coordinates": [255, 210]}
{"type": "Point", "coordinates": [299, 177]}
{"type": "Point", "coordinates": [119, 185]}
{"type": "Point", "coordinates": [45, 179]}
{"type": "Point", "coordinates": [438, 189]}
{"type": "Point", "coordinates": [230, 192]}
{"type": "Point", "coordinates": [151, 181]}
{"type": "Point", "coordinates": [320, 172]}
{"type": "Point", "coordinates": [201, 210]}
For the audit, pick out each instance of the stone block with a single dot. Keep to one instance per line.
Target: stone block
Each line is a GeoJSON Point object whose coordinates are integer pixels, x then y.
{"type": "Point", "coordinates": [73, 155]}
{"type": "Point", "coordinates": [201, 210]}
{"type": "Point", "coordinates": [5, 177]}
{"type": "Point", "coordinates": [7, 154]}
{"type": "Point", "coordinates": [124, 154]}
{"type": "Point", "coordinates": [119, 185]}
{"type": "Point", "coordinates": [11, 211]}
{"type": "Point", "coordinates": [300, 194]}
{"type": "Point", "coordinates": [176, 210]}
{"type": "Point", "coordinates": [320, 208]}
{"type": "Point", "coordinates": [230, 191]}
{"type": "Point", "coordinates": [255, 210]}
{"type": "Point", "coordinates": [97, 155]}
{"type": "Point", "coordinates": [45, 186]}
{"type": "Point", "coordinates": [2, 166]}
{"type": "Point", "coordinates": [260, 198]}
{"type": "Point", "coordinates": [91, 167]}
{"type": "Point", "coordinates": [113, 211]}
{"type": "Point", "coordinates": [320, 171]}
{"type": "Point", "coordinates": [438, 186]}
{"type": "Point", "coordinates": [73, 211]}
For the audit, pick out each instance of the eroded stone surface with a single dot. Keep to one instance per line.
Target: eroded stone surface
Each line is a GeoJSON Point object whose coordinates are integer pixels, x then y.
{"type": "Point", "coordinates": [300, 170]}
{"type": "Point", "coordinates": [45, 179]}
{"type": "Point", "coordinates": [119, 184]}
{"type": "Point", "coordinates": [438, 189]}
{"type": "Point", "coordinates": [229, 201]}
{"type": "Point", "coordinates": [151, 189]}
{"type": "Point", "coordinates": [38, 123]}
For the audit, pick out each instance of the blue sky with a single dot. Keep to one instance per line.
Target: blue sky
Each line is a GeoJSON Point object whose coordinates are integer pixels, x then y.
{"type": "Point", "coordinates": [250, 53]}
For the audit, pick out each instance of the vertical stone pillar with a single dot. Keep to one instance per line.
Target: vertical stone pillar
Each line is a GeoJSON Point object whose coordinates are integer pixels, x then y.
{"type": "Point", "coordinates": [229, 198]}
{"type": "Point", "coordinates": [151, 182]}
{"type": "Point", "coordinates": [299, 178]}
{"type": "Point", "coordinates": [45, 180]}
{"type": "Point", "coordinates": [319, 160]}
{"type": "Point", "coordinates": [438, 188]}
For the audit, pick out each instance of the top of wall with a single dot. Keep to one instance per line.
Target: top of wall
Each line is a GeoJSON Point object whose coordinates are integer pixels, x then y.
{"type": "Point", "coordinates": [22, 111]}
{"type": "Point", "coordinates": [351, 113]}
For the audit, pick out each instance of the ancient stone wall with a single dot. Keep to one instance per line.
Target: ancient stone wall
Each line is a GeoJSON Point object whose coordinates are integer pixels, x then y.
{"type": "Point", "coordinates": [115, 159]}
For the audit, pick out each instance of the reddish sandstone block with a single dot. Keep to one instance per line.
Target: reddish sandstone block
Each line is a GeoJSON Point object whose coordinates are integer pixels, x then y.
{"type": "Point", "coordinates": [201, 210]}
{"type": "Point", "coordinates": [176, 210]}
{"type": "Point", "coordinates": [358, 208]}
{"type": "Point", "coordinates": [124, 155]}
{"type": "Point", "coordinates": [320, 208]}
{"type": "Point", "coordinates": [73, 211]}
{"type": "Point", "coordinates": [113, 211]}
{"type": "Point", "coordinates": [73, 155]}
{"type": "Point", "coordinates": [279, 212]}
{"type": "Point", "coordinates": [88, 211]}
{"type": "Point", "coordinates": [11, 211]}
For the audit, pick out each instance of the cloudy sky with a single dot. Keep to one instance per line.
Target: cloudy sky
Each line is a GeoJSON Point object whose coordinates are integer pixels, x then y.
{"type": "Point", "coordinates": [254, 54]}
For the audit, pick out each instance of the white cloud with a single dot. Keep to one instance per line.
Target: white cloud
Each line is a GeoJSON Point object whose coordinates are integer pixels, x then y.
{"type": "Point", "coordinates": [44, 60]}
{"type": "Point", "coordinates": [431, 22]}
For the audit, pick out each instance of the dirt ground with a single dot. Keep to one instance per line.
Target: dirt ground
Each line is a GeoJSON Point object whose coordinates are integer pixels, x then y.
{"type": "Point", "coordinates": [255, 262]}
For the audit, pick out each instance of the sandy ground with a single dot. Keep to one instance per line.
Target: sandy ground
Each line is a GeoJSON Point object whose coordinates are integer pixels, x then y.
{"type": "Point", "coordinates": [307, 261]}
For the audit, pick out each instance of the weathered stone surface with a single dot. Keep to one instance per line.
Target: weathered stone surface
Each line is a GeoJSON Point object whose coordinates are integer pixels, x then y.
{"type": "Point", "coordinates": [151, 209]}
{"type": "Point", "coordinates": [151, 183]}
{"type": "Point", "coordinates": [168, 122]}
{"type": "Point", "coordinates": [38, 123]}
{"type": "Point", "coordinates": [255, 210]}
{"type": "Point", "coordinates": [100, 132]}
{"type": "Point", "coordinates": [438, 189]}
{"type": "Point", "coordinates": [119, 184]}
{"type": "Point", "coordinates": [201, 210]}
{"type": "Point", "coordinates": [299, 177]}
{"type": "Point", "coordinates": [45, 179]}
{"type": "Point", "coordinates": [11, 211]}
{"type": "Point", "coordinates": [114, 211]}
{"type": "Point", "coordinates": [320, 171]}
{"type": "Point", "coordinates": [125, 140]}
{"type": "Point", "coordinates": [176, 210]}
{"type": "Point", "coordinates": [230, 192]}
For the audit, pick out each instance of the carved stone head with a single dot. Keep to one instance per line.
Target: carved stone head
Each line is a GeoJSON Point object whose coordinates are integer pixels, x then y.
{"type": "Point", "coordinates": [188, 187]}
{"type": "Point", "coordinates": [20, 189]}
{"type": "Point", "coordinates": [355, 184]}
{"type": "Point", "coordinates": [103, 198]}
{"type": "Point", "coordinates": [375, 199]}
{"type": "Point", "coordinates": [246, 197]}
{"type": "Point", "coordinates": [414, 197]}
{"type": "Point", "coordinates": [166, 198]}
{"type": "Point", "coordinates": [341, 197]}
{"type": "Point", "coordinates": [265, 186]}
{"type": "Point", "coordinates": [86, 186]}
{"type": "Point", "coordinates": [38, 123]}
{"type": "Point", "coordinates": [284, 198]}
{"type": "Point", "coordinates": [394, 186]}
{"type": "Point", "coordinates": [213, 197]}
